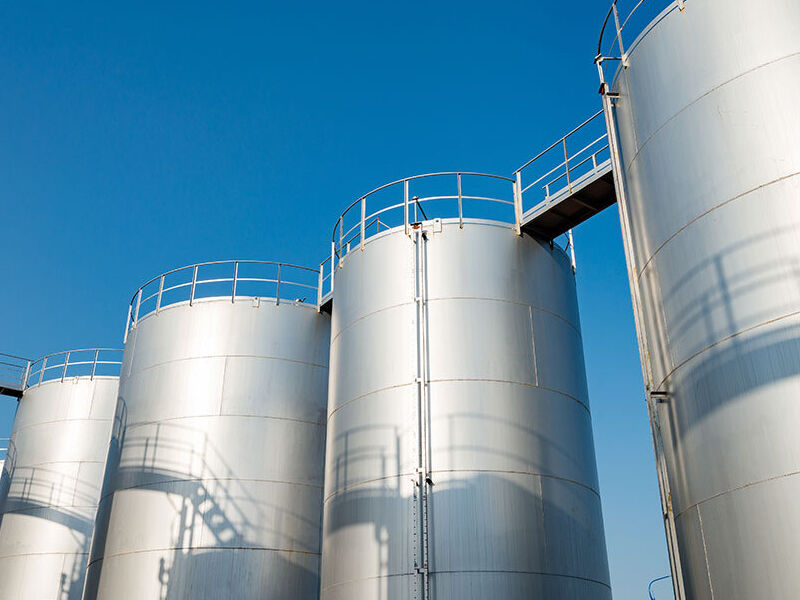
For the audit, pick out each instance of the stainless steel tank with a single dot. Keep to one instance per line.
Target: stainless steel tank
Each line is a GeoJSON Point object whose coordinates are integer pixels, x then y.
{"type": "Point", "coordinates": [216, 462]}
{"type": "Point", "coordinates": [53, 474]}
{"type": "Point", "coordinates": [460, 461]}
{"type": "Point", "coordinates": [708, 121]}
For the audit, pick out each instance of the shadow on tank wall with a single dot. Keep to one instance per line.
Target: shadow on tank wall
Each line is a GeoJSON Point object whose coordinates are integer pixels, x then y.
{"type": "Point", "coordinates": [56, 497]}
{"type": "Point", "coordinates": [215, 522]}
{"type": "Point", "coordinates": [472, 541]}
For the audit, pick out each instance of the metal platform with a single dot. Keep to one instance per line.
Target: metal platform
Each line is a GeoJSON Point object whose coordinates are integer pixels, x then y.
{"type": "Point", "coordinates": [13, 372]}
{"type": "Point", "coordinates": [583, 180]}
{"type": "Point", "coordinates": [571, 206]}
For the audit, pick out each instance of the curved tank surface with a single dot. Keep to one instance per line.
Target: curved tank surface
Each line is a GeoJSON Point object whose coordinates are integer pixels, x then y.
{"type": "Point", "coordinates": [709, 121]}
{"type": "Point", "coordinates": [460, 460]}
{"type": "Point", "coordinates": [53, 474]}
{"type": "Point", "coordinates": [216, 462]}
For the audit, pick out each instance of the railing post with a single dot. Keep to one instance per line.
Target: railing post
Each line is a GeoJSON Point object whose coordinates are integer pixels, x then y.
{"type": "Point", "coordinates": [138, 305]}
{"type": "Point", "coordinates": [619, 35]}
{"type": "Point", "coordinates": [333, 261]}
{"type": "Point", "coordinates": [160, 291]}
{"type": "Point", "coordinates": [517, 186]}
{"type": "Point", "coordinates": [405, 208]}
{"type": "Point", "coordinates": [64, 372]}
{"type": "Point", "coordinates": [41, 373]}
{"type": "Point", "coordinates": [460, 207]}
{"type": "Point", "coordinates": [127, 325]}
{"type": "Point", "coordinates": [319, 287]}
{"type": "Point", "coordinates": [363, 220]}
{"type": "Point", "coordinates": [341, 239]}
{"type": "Point", "coordinates": [566, 165]}
{"type": "Point", "coordinates": [235, 276]}
{"type": "Point", "coordinates": [278, 289]}
{"type": "Point", "coordinates": [572, 251]}
{"type": "Point", "coordinates": [194, 284]}
{"type": "Point", "coordinates": [94, 364]}
{"type": "Point", "coordinates": [26, 375]}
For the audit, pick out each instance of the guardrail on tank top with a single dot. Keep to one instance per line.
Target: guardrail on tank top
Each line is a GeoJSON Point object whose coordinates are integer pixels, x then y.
{"type": "Point", "coordinates": [452, 195]}
{"type": "Point", "coordinates": [642, 19]}
{"type": "Point", "coordinates": [231, 279]}
{"type": "Point", "coordinates": [83, 362]}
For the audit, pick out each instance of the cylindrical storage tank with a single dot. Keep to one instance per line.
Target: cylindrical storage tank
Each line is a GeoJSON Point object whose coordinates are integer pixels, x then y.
{"type": "Point", "coordinates": [709, 121]}
{"type": "Point", "coordinates": [53, 474]}
{"type": "Point", "coordinates": [216, 463]}
{"type": "Point", "coordinates": [460, 461]}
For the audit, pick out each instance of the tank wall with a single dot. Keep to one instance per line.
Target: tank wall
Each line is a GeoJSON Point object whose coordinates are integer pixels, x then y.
{"type": "Point", "coordinates": [709, 121]}
{"type": "Point", "coordinates": [217, 483]}
{"type": "Point", "coordinates": [52, 480]}
{"type": "Point", "coordinates": [514, 510]}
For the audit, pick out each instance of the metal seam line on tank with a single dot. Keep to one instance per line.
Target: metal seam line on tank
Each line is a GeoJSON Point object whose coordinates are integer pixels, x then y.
{"type": "Point", "coordinates": [722, 341]}
{"type": "Point", "coordinates": [736, 489]}
{"type": "Point", "coordinates": [457, 380]}
{"type": "Point", "coordinates": [201, 479]}
{"type": "Point", "coordinates": [205, 547]}
{"type": "Point", "coordinates": [76, 419]}
{"type": "Point", "coordinates": [699, 98]}
{"type": "Point", "coordinates": [712, 209]}
{"type": "Point", "coordinates": [521, 572]}
{"type": "Point", "coordinates": [511, 572]}
{"type": "Point", "coordinates": [358, 484]}
{"type": "Point", "coordinates": [188, 358]}
{"type": "Point", "coordinates": [430, 300]}
{"type": "Point", "coordinates": [215, 415]}
{"type": "Point", "coordinates": [533, 347]}
{"type": "Point", "coordinates": [705, 553]}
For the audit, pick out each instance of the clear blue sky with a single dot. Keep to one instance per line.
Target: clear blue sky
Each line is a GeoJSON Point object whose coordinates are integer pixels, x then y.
{"type": "Point", "coordinates": [140, 138]}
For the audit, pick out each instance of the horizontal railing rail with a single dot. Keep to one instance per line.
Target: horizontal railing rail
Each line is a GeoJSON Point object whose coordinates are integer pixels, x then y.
{"type": "Point", "coordinates": [4, 445]}
{"type": "Point", "coordinates": [83, 362]}
{"type": "Point", "coordinates": [555, 170]}
{"type": "Point", "coordinates": [225, 279]}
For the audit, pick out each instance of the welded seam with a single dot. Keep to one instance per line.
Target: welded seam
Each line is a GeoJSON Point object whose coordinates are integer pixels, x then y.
{"type": "Point", "coordinates": [226, 356]}
{"type": "Point", "coordinates": [204, 547]}
{"type": "Point", "coordinates": [79, 419]}
{"type": "Point", "coordinates": [457, 380]}
{"type": "Point", "coordinates": [434, 573]}
{"type": "Point", "coordinates": [705, 553]}
{"type": "Point", "coordinates": [722, 341]}
{"type": "Point", "coordinates": [484, 298]}
{"type": "Point", "coordinates": [364, 482]}
{"type": "Point", "coordinates": [139, 424]}
{"type": "Point", "coordinates": [702, 96]}
{"type": "Point", "coordinates": [735, 489]}
{"type": "Point", "coordinates": [154, 484]}
{"type": "Point", "coordinates": [708, 212]}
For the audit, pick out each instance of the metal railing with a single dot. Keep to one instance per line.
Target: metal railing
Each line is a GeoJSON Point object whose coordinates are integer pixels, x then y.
{"type": "Point", "coordinates": [616, 50]}
{"type": "Point", "coordinates": [4, 444]}
{"type": "Point", "coordinates": [225, 279]}
{"type": "Point", "coordinates": [84, 362]}
{"type": "Point", "coordinates": [566, 162]}
{"type": "Point", "coordinates": [13, 370]}
{"type": "Point", "coordinates": [421, 198]}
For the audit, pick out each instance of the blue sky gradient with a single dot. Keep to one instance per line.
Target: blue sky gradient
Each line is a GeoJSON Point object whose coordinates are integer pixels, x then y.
{"type": "Point", "coordinates": [142, 137]}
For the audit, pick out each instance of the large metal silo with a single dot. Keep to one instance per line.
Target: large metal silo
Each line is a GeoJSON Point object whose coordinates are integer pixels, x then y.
{"type": "Point", "coordinates": [460, 461]}
{"type": "Point", "coordinates": [705, 106]}
{"type": "Point", "coordinates": [53, 473]}
{"type": "Point", "coordinates": [216, 462]}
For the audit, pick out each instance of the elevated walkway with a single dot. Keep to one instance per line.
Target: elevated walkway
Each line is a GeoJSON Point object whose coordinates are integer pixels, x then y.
{"type": "Point", "coordinates": [13, 371]}
{"type": "Point", "coordinates": [582, 179]}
